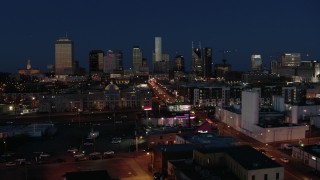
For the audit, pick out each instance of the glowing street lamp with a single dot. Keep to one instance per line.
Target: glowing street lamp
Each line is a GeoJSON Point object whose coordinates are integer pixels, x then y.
{"type": "Point", "coordinates": [147, 108]}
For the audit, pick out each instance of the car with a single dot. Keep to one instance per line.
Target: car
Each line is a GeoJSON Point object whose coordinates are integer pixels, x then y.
{"type": "Point", "coordinates": [78, 155]}
{"type": "Point", "coordinates": [81, 158]}
{"type": "Point", "coordinates": [25, 163]}
{"type": "Point", "coordinates": [43, 162]}
{"type": "Point", "coordinates": [88, 143]}
{"type": "Point", "coordinates": [10, 164]}
{"type": "Point", "coordinates": [285, 160]}
{"type": "Point", "coordinates": [22, 162]}
{"type": "Point", "coordinates": [72, 150]}
{"type": "Point", "coordinates": [157, 175]}
{"type": "Point", "coordinates": [116, 140]}
{"type": "Point", "coordinates": [44, 155]}
{"type": "Point", "coordinates": [272, 158]}
{"type": "Point", "coordinates": [95, 154]}
{"type": "Point", "coordinates": [108, 152]}
{"type": "Point", "coordinates": [262, 151]}
{"type": "Point", "coordinates": [7, 155]}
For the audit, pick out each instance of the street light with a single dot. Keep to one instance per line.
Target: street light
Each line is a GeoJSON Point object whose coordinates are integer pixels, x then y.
{"type": "Point", "coordinates": [151, 159]}
{"type": "Point", "coordinates": [303, 114]}
{"type": "Point", "coordinates": [147, 108]}
{"type": "Point", "coordinates": [309, 132]}
{"type": "Point", "coordinates": [5, 146]}
{"type": "Point", "coordinates": [79, 116]}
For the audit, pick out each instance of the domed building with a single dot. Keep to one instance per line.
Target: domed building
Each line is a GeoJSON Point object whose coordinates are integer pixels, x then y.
{"type": "Point", "coordinates": [112, 94]}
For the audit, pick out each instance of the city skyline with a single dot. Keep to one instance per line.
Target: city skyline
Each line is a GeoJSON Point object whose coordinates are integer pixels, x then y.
{"type": "Point", "coordinates": [268, 28]}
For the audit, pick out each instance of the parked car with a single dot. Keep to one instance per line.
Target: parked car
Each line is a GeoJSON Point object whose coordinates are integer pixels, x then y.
{"type": "Point", "coordinates": [43, 162]}
{"type": "Point", "coordinates": [72, 150]}
{"type": "Point", "coordinates": [285, 160]}
{"type": "Point", "coordinates": [95, 154]}
{"type": "Point", "coordinates": [88, 143]}
{"type": "Point", "coordinates": [262, 151]}
{"type": "Point", "coordinates": [10, 164]}
{"type": "Point", "coordinates": [272, 158]}
{"type": "Point", "coordinates": [81, 158]}
{"type": "Point", "coordinates": [44, 155]}
{"type": "Point", "coordinates": [157, 176]}
{"type": "Point", "coordinates": [78, 155]}
{"type": "Point", "coordinates": [108, 154]}
{"type": "Point", "coordinates": [116, 140]}
{"type": "Point", "coordinates": [22, 162]}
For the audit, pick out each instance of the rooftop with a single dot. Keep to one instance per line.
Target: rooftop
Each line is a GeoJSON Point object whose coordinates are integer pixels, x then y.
{"type": "Point", "coordinates": [174, 148]}
{"type": "Point", "coordinates": [249, 159]}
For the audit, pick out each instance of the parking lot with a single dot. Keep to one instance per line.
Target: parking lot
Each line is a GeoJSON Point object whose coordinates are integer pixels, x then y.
{"type": "Point", "coordinates": [54, 149]}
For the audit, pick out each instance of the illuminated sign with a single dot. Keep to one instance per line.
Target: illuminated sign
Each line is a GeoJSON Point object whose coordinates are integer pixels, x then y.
{"type": "Point", "coordinates": [179, 108]}
{"type": "Point", "coordinates": [147, 108]}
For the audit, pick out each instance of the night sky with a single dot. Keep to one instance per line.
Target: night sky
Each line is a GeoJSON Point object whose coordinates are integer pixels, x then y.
{"type": "Point", "coordinates": [29, 28]}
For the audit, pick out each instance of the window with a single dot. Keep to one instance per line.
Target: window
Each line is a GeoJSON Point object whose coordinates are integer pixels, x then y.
{"type": "Point", "coordinates": [277, 176]}
{"type": "Point", "coordinates": [265, 176]}
{"type": "Point", "coordinates": [253, 177]}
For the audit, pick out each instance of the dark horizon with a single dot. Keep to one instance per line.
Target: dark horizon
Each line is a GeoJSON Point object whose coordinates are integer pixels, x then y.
{"type": "Point", "coordinates": [267, 28]}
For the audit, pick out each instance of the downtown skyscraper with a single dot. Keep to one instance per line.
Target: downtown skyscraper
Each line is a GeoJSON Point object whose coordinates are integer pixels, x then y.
{"type": "Point", "coordinates": [201, 61]}
{"type": "Point", "coordinates": [64, 62]}
{"type": "Point", "coordinates": [160, 60]}
{"type": "Point", "coordinates": [178, 64]}
{"type": "Point", "coordinates": [196, 61]}
{"type": "Point", "coordinates": [290, 59]}
{"type": "Point", "coordinates": [256, 62]}
{"type": "Point", "coordinates": [136, 58]}
{"type": "Point", "coordinates": [118, 54]}
{"type": "Point", "coordinates": [158, 49]}
{"type": "Point", "coordinates": [96, 61]}
{"type": "Point", "coordinates": [207, 62]}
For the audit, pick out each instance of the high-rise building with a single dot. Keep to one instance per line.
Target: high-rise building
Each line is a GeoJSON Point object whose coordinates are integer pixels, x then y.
{"type": "Point", "coordinates": [196, 61]}
{"type": "Point", "coordinates": [144, 62]}
{"type": "Point", "coordinates": [222, 69]}
{"type": "Point", "coordinates": [109, 62]}
{"type": "Point", "coordinates": [290, 59]}
{"type": "Point", "coordinates": [136, 58]}
{"type": "Point", "coordinates": [158, 49]}
{"type": "Point", "coordinates": [178, 63]}
{"type": "Point", "coordinates": [274, 66]}
{"type": "Point", "coordinates": [118, 55]}
{"type": "Point", "coordinates": [64, 62]}
{"type": "Point", "coordinates": [256, 62]}
{"type": "Point", "coordinates": [207, 62]}
{"type": "Point", "coordinates": [160, 60]}
{"type": "Point", "coordinates": [96, 61]}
